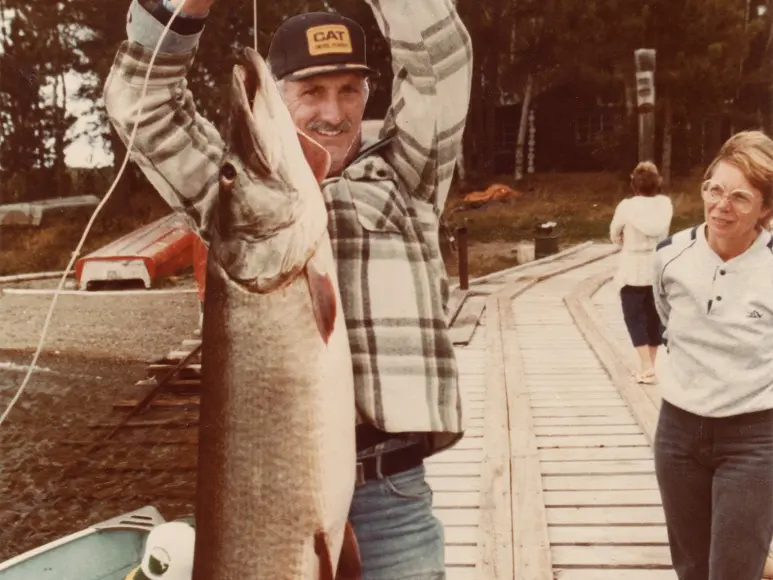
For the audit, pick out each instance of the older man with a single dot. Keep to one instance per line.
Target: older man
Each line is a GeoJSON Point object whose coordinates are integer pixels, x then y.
{"type": "Point", "coordinates": [384, 199]}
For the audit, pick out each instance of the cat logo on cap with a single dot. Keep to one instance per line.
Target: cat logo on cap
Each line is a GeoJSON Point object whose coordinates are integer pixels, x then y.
{"type": "Point", "coordinates": [329, 39]}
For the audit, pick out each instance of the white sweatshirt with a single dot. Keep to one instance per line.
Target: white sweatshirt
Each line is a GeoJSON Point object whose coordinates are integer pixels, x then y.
{"type": "Point", "coordinates": [718, 318]}
{"type": "Point", "coordinates": [638, 225]}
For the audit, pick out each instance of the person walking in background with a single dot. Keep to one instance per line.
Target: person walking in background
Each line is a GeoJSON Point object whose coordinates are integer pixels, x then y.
{"type": "Point", "coordinates": [713, 447]}
{"type": "Point", "coordinates": [638, 225]}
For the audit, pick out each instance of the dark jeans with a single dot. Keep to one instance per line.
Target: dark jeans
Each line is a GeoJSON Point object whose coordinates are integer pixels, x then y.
{"type": "Point", "coordinates": [641, 317]}
{"type": "Point", "coordinates": [716, 483]}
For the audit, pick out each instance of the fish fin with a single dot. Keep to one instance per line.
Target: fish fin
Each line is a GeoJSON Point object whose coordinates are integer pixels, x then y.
{"type": "Point", "coordinates": [323, 300]}
{"type": "Point", "coordinates": [316, 155]}
{"type": "Point", "coordinates": [349, 562]}
{"type": "Point", "coordinates": [322, 549]}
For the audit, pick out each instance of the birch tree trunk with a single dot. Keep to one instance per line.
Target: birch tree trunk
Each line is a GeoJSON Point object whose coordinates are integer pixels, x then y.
{"type": "Point", "coordinates": [522, 127]}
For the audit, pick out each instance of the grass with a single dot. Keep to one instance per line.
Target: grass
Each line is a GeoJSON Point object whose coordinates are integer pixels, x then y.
{"type": "Point", "coordinates": [50, 246]}
{"type": "Point", "coordinates": [582, 204]}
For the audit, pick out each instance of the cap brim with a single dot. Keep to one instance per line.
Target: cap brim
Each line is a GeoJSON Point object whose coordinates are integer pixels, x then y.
{"type": "Point", "coordinates": [328, 69]}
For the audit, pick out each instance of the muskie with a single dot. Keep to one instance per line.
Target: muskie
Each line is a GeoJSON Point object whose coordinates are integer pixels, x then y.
{"type": "Point", "coordinates": [276, 442]}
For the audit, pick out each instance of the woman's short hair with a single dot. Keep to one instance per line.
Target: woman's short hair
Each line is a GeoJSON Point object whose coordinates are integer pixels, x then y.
{"type": "Point", "coordinates": [752, 153]}
{"type": "Point", "coordinates": [646, 179]}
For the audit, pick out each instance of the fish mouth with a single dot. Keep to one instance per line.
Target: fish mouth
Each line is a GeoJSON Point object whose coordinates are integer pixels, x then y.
{"type": "Point", "coordinates": [246, 86]}
{"type": "Point", "coordinates": [247, 71]}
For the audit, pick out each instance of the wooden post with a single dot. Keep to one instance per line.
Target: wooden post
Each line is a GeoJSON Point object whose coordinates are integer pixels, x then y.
{"type": "Point", "coordinates": [645, 101]}
{"type": "Point", "coordinates": [461, 241]}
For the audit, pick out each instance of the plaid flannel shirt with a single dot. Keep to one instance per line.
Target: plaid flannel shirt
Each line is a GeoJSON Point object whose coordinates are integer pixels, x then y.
{"type": "Point", "coordinates": [383, 210]}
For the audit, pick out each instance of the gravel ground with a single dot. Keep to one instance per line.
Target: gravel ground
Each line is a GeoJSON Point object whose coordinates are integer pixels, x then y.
{"type": "Point", "coordinates": [97, 348]}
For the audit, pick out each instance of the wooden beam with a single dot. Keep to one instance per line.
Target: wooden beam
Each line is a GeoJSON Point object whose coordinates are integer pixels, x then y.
{"type": "Point", "coordinates": [596, 333]}
{"type": "Point", "coordinates": [531, 543]}
{"type": "Point", "coordinates": [495, 527]}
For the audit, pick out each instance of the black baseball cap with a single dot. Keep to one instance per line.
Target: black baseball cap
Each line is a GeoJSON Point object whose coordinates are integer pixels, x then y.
{"type": "Point", "coordinates": [317, 43]}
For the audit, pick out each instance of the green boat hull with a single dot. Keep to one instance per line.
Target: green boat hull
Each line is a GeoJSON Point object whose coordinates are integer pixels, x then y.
{"type": "Point", "coordinates": [105, 551]}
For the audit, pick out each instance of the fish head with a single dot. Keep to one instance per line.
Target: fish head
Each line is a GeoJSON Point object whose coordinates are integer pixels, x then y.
{"type": "Point", "coordinates": [269, 195]}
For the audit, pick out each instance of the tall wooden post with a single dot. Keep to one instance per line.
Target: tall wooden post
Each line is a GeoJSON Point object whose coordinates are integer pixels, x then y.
{"type": "Point", "coordinates": [464, 272]}
{"type": "Point", "coordinates": [645, 101]}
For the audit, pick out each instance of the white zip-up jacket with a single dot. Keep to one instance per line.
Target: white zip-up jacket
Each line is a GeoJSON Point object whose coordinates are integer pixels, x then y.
{"type": "Point", "coordinates": [638, 225]}
{"type": "Point", "coordinates": [718, 319]}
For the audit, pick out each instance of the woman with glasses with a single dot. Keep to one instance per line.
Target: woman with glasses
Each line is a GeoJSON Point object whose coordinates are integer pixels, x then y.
{"type": "Point", "coordinates": [713, 287]}
{"type": "Point", "coordinates": [638, 225]}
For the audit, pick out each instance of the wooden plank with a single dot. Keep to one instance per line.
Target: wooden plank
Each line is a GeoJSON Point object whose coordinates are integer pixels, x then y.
{"type": "Point", "coordinates": [468, 443]}
{"type": "Point", "coordinates": [458, 516]}
{"type": "Point", "coordinates": [596, 453]}
{"type": "Point", "coordinates": [608, 535]}
{"type": "Point", "coordinates": [581, 441]}
{"type": "Point", "coordinates": [565, 402]}
{"type": "Point", "coordinates": [633, 515]}
{"type": "Point", "coordinates": [598, 393]}
{"type": "Point", "coordinates": [454, 499]}
{"type": "Point", "coordinates": [495, 524]}
{"type": "Point", "coordinates": [456, 299]}
{"type": "Point", "coordinates": [455, 455]}
{"type": "Point", "coordinates": [454, 483]}
{"type": "Point", "coordinates": [597, 467]}
{"type": "Point", "coordinates": [461, 555]}
{"type": "Point", "coordinates": [613, 574]}
{"type": "Point", "coordinates": [560, 387]}
{"type": "Point", "coordinates": [611, 412]}
{"type": "Point", "coordinates": [606, 497]}
{"type": "Point", "coordinates": [161, 401]}
{"type": "Point", "coordinates": [467, 320]}
{"type": "Point", "coordinates": [452, 469]}
{"type": "Point", "coordinates": [461, 573]}
{"type": "Point", "coordinates": [599, 482]}
{"type": "Point", "coordinates": [585, 421]}
{"type": "Point", "coordinates": [531, 544]}
{"type": "Point", "coordinates": [586, 430]}
{"type": "Point", "coordinates": [610, 556]}
{"type": "Point", "coordinates": [587, 320]}
{"type": "Point", "coordinates": [462, 535]}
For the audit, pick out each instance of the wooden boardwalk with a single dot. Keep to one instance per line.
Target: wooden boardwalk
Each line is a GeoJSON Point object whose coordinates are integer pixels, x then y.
{"type": "Point", "coordinates": [555, 477]}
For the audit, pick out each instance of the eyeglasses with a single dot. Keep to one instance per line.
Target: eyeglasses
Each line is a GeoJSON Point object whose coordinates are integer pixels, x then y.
{"type": "Point", "coordinates": [741, 200]}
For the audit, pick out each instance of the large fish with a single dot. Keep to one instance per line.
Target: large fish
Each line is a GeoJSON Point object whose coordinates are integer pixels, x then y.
{"type": "Point", "coordinates": [277, 456]}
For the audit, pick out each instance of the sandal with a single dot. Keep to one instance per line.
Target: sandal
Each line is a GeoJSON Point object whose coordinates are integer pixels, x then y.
{"type": "Point", "coordinates": [646, 378]}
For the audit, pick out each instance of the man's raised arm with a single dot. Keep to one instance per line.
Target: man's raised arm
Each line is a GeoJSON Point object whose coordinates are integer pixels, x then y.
{"type": "Point", "coordinates": [432, 66]}
{"type": "Point", "coordinates": [176, 148]}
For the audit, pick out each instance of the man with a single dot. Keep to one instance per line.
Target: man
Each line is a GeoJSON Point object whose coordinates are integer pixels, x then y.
{"type": "Point", "coordinates": [384, 199]}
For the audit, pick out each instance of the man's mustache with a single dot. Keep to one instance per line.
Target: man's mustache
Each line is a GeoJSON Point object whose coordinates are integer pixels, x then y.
{"type": "Point", "coordinates": [329, 127]}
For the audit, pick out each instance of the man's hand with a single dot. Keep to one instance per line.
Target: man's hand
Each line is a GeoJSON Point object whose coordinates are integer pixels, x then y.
{"type": "Point", "coordinates": [193, 7]}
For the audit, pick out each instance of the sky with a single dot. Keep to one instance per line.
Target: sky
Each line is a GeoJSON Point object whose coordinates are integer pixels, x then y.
{"type": "Point", "coordinates": [82, 153]}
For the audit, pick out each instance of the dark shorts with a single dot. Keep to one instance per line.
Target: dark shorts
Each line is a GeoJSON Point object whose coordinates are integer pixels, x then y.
{"type": "Point", "coordinates": [641, 317]}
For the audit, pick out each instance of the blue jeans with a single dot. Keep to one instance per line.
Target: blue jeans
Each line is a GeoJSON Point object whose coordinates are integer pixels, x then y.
{"type": "Point", "coordinates": [398, 535]}
{"type": "Point", "coordinates": [716, 482]}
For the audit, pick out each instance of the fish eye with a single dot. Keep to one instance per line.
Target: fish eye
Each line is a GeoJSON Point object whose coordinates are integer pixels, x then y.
{"type": "Point", "coordinates": [227, 173]}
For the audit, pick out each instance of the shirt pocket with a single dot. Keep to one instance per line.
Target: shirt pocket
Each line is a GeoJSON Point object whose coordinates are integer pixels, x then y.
{"type": "Point", "coordinates": [374, 195]}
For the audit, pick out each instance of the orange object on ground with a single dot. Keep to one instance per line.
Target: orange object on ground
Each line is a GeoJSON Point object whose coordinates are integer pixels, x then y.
{"type": "Point", "coordinates": [494, 192]}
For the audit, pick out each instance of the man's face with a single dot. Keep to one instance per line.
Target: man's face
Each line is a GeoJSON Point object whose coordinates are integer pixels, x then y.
{"type": "Point", "coordinates": [329, 109]}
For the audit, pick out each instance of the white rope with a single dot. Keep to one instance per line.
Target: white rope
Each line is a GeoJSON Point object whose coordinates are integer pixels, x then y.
{"type": "Point", "coordinates": [75, 254]}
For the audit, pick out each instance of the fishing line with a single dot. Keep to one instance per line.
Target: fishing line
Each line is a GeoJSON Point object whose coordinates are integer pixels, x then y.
{"type": "Point", "coordinates": [130, 143]}
{"type": "Point", "coordinates": [75, 253]}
